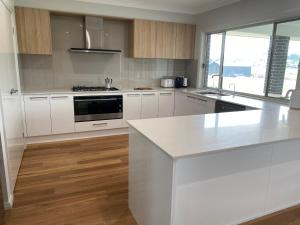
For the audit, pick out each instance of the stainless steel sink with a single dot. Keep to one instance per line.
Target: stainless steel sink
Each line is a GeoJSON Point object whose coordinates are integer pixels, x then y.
{"type": "Point", "coordinates": [210, 93]}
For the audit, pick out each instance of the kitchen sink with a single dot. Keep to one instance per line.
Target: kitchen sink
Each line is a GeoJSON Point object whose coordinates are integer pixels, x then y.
{"type": "Point", "coordinates": [210, 93]}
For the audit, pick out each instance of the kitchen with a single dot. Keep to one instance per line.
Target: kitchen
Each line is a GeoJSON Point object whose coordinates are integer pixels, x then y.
{"type": "Point", "coordinates": [108, 109]}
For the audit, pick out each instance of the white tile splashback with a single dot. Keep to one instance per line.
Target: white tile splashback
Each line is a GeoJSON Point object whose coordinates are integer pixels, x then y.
{"type": "Point", "coordinates": [63, 71]}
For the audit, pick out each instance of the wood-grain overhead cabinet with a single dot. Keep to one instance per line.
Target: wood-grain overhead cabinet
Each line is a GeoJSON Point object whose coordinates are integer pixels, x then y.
{"type": "Point", "coordinates": [164, 40]}
{"type": "Point", "coordinates": [34, 31]}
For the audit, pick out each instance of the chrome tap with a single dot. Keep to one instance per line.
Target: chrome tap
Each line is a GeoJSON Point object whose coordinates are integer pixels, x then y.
{"type": "Point", "coordinates": [215, 75]}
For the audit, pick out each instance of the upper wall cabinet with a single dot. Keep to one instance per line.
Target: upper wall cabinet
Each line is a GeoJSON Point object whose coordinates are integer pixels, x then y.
{"type": "Point", "coordinates": [143, 39]}
{"type": "Point", "coordinates": [163, 40]}
{"type": "Point", "coordinates": [185, 41]}
{"type": "Point", "coordinates": [34, 31]}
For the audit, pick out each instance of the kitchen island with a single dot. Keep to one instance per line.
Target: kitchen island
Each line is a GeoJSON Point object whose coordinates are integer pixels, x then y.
{"type": "Point", "coordinates": [214, 169]}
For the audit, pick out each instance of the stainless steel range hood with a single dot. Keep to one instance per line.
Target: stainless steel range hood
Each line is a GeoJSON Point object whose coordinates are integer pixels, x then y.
{"type": "Point", "coordinates": [94, 37]}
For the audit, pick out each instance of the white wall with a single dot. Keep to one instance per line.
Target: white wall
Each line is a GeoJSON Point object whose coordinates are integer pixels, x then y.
{"type": "Point", "coordinates": [106, 10]}
{"type": "Point", "coordinates": [248, 12]}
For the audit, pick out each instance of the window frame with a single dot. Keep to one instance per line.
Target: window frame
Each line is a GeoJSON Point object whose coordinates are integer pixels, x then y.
{"type": "Point", "coordinates": [268, 75]}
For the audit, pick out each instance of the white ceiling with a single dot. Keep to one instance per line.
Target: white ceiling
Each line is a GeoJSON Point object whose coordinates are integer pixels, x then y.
{"type": "Point", "coordinates": [180, 6]}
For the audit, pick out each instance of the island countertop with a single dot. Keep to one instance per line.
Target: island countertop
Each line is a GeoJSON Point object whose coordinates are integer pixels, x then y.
{"type": "Point", "coordinates": [185, 136]}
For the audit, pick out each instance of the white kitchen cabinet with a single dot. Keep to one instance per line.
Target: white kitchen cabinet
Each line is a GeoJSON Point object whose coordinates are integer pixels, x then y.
{"type": "Point", "coordinates": [199, 105]}
{"type": "Point", "coordinates": [166, 104]}
{"type": "Point", "coordinates": [37, 115]}
{"type": "Point", "coordinates": [187, 104]}
{"type": "Point", "coordinates": [62, 114]}
{"type": "Point", "coordinates": [180, 104]}
{"type": "Point", "coordinates": [98, 125]}
{"type": "Point", "coordinates": [149, 105]}
{"type": "Point", "coordinates": [132, 106]}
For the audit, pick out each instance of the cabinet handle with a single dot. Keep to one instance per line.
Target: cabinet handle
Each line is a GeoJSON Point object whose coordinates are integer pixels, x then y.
{"type": "Point", "coordinates": [100, 124]}
{"type": "Point", "coordinates": [199, 99]}
{"type": "Point", "coordinates": [151, 94]}
{"type": "Point", "coordinates": [38, 98]}
{"type": "Point", "coordinates": [165, 93]}
{"type": "Point", "coordinates": [133, 95]}
{"type": "Point", "coordinates": [59, 97]}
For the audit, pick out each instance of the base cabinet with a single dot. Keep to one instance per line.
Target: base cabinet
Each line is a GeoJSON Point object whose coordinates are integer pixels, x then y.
{"type": "Point", "coordinates": [149, 105]}
{"type": "Point", "coordinates": [186, 104]}
{"type": "Point", "coordinates": [37, 115]}
{"type": "Point", "coordinates": [62, 114]}
{"type": "Point", "coordinates": [166, 104]}
{"type": "Point", "coordinates": [54, 114]}
{"type": "Point", "coordinates": [132, 106]}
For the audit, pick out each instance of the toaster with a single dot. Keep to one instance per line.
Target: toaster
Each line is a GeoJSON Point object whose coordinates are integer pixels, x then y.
{"type": "Point", "coordinates": [167, 82]}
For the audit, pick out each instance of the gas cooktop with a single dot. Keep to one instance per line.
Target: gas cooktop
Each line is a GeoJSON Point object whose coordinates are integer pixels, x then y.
{"type": "Point", "coordinates": [97, 88]}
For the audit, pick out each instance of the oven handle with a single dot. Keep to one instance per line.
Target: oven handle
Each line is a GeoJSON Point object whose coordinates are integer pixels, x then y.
{"type": "Point", "coordinates": [98, 100]}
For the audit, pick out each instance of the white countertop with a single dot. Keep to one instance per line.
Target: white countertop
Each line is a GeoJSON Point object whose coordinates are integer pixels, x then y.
{"type": "Point", "coordinates": [203, 134]}
{"type": "Point", "coordinates": [69, 91]}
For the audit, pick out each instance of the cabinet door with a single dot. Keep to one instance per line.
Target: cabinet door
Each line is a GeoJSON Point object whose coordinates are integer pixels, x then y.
{"type": "Point", "coordinates": [165, 40]}
{"type": "Point", "coordinates": [181, 108]}
{"type": "Point", "coordinates": [185, 41]}
{"type": "Point", "coordinates": [197, 105]}
{"type": "Point", "coordinates": [144, 39]}
{"type": "Point", "coordinates": [34, 31]}
{"type": "Point", "coordinates": [62, 114]}
{"type": "Point", "coordinates": [132, 106]}
{"type": "Point", "coordinates": [166, 104]}
{"type": "Point", "coordinates": [149, 105]}
{"type": "Point", "coordinates": [37, 115]}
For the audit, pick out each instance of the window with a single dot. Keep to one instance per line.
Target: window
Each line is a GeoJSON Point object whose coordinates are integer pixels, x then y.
{"type": "Point", "coordinates": [254, 62]}
{"type": "Point", "coordinates": [246, 59]}
{"type": "Point", "coordinates": [214, 59]}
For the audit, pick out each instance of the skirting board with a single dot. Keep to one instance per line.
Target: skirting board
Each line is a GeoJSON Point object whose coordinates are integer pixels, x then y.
{"type": "Point", "coordinates": [73, 136]}
{"type": "Point", "coordinates": [9, 204]}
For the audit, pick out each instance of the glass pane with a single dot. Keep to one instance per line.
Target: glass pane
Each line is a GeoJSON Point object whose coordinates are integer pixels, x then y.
{"type": "Point", "coordinates": [286, 56]}
{"type": "Point", "coordinates": [214, 59]}
{"type": "Point", "coordinates": [246, 59]}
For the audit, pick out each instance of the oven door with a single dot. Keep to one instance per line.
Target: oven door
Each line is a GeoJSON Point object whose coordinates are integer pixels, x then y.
{"type": "Point", "coordinates": [94, 108]}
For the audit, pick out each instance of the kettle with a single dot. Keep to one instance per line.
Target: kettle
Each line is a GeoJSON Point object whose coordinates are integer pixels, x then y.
{"type": "Point", "coordinates": [108, 83]}
{"type": "Point", "coordinates": [295, 98]}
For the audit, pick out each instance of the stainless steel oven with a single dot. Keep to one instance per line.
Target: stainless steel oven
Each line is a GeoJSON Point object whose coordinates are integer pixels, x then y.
{"type": "Point", "coordinates": [94, 108]}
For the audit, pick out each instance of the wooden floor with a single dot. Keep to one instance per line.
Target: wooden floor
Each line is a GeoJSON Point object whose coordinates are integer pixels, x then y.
{"type": "Point", "coordinates": [76, 183]}
{"type": "Point", "coordinates": [85, 182]}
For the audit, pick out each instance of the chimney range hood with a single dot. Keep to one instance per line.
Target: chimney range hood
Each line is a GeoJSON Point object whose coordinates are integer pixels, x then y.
{"type": "Point", "coordinates": [94, 37]}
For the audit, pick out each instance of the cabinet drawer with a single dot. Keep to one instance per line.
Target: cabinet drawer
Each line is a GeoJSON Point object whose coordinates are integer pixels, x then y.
{"type": "Point", "coordinates": [98, 125]}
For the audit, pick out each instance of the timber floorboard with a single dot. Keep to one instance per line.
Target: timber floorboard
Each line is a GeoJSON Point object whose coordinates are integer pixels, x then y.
{"type": "Point", "coordinates": [85, 182]}
{"type": "Point", "coordinates": [73, 183]}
